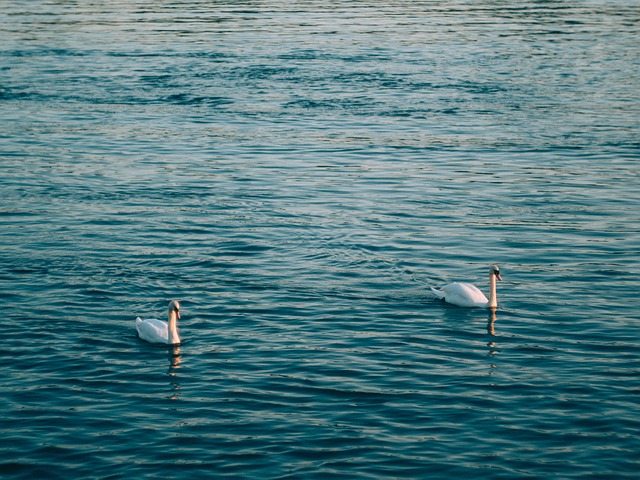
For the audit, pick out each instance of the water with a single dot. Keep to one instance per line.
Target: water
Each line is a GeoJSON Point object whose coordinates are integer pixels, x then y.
{"type": "Point", "coordinates": [298, 174]}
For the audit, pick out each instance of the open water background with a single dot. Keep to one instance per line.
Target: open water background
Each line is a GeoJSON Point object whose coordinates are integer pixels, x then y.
{"type": "Point", "coordinates": [298, 174]}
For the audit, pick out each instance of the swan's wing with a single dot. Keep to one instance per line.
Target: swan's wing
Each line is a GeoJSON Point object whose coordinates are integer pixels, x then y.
{"type": "Point", "coordinates": [464, 295]}
{"type": "Point", "coordinates": [152, 330]}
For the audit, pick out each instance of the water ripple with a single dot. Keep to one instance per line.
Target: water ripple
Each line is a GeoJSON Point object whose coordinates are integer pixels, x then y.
{"type": "Point", "coordinates": [298, 176]}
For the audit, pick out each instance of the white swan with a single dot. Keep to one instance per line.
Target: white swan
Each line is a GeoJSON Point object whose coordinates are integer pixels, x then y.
{"type": "Point", "coordinates": [156, 331]}
{"type": "Point", "coordinates": [467, 295]}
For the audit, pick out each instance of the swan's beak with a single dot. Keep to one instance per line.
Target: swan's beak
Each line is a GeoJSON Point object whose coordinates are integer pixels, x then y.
{"type": "Point", "coordinates": [497, 276]}
{"type": "Point", "coordinates": [178, 314]}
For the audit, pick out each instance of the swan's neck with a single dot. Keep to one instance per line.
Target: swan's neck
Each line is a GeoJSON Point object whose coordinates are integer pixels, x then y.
{"type": "Point", "coordinates": [173, 328]}
{"type": "Point", "coordinates": [493, 296]}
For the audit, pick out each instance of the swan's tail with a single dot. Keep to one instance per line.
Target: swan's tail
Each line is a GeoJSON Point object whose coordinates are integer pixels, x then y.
{"type": "Point", "coordinates": [138, 323]}
{"type": "Point", "coordinates": [438, 293]}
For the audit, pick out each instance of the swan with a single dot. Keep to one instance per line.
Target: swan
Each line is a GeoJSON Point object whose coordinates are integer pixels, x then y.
{"type": "Point", "coordinates": [156, 331]}
{"type": "Point", "coordinates": [467, 295]}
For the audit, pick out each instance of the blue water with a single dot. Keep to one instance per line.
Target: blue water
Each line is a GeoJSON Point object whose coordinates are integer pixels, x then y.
{"type": "Point", "coordinates": [298, 174]}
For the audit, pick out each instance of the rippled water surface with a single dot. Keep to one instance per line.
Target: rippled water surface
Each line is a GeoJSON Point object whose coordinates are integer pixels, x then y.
{"type": "Point", "coordinates": [298, 174]}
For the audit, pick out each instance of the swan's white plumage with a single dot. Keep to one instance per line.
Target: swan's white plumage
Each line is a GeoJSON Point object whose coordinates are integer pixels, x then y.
{"type": "Point", "coordinates": [468, 295]}
{"type": "Point", "coordinates": [152, 330]}
{"type": "Point", "coordinates": [157, 331]}
{"type": "Point", "coordinates": [462, 294]}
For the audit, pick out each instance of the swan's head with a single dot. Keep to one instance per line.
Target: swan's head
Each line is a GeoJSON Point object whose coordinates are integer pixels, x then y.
{"type": "Point", "coordinates": [495, 270]}
{"type": "Point", "coordinates": [174, 306]}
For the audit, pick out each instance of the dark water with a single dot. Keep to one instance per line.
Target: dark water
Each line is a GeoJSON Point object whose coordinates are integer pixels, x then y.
{"type": "Point", "coordinates": [298, 174]}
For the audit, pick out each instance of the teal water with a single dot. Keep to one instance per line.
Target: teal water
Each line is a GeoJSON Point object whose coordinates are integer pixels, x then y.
{"type": "Point", "coordinates": [299, 174]}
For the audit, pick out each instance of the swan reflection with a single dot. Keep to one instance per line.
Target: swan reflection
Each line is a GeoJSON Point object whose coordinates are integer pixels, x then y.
{"type": "Point", "coordinates": [175, 357]}
{"type": "Point", "coordinates": [491, 330]}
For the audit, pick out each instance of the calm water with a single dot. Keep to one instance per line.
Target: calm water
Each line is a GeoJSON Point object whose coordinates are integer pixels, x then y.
{"type": "Point", "coordinates": [298, 174]}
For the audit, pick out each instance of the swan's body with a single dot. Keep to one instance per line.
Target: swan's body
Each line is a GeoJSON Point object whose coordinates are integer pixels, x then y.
{"type": "Point", "coordinates": [467, 295]}
{"type": "Point", "coordinates": [156, 331]}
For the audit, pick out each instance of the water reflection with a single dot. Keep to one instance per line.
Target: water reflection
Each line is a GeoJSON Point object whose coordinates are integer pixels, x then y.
{"type": "Point", "coordinates": [491, 330]}
{"type": "Point", "coordinates": [175, 358]}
